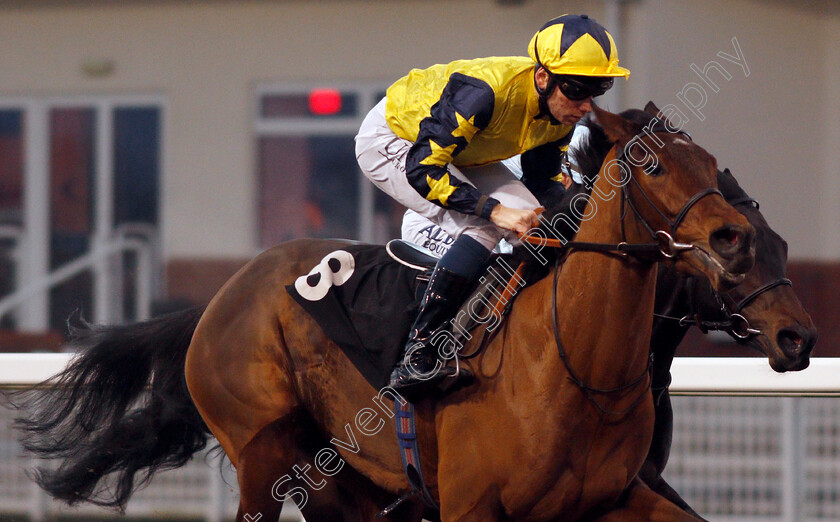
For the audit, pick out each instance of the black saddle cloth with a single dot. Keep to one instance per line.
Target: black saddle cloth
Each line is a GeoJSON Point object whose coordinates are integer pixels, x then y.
{"type": "Point", "coordinates": [366, 302]}
{"type": "Point", "coordinates": [368, 308]}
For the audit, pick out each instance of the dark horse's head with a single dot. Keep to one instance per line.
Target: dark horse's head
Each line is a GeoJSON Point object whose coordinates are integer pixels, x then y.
{"type": "Point", "coordinates": [765, 298]}
{"type": "Point", "coordinates": [668, 182]}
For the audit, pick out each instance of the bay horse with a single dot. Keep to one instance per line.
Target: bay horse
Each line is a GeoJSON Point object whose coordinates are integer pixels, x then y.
{"type": "Point", "coordinates": [762, 312]}
{"type": "Point", "coordinates": [530, 440]}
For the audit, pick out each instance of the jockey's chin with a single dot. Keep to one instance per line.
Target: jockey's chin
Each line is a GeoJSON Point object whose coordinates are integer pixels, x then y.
{"type": "Point", "coordinates": [571, 120]}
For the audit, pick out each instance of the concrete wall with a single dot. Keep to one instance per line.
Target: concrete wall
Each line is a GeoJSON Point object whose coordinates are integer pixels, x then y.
{"type": "Point", "coordinates": [775, 128]}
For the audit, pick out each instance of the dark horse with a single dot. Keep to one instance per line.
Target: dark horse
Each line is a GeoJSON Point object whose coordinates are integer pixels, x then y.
{"type": "Point", "coordinates": [763, 312]}
{"type": "Point", "coordinates": [543, 434]}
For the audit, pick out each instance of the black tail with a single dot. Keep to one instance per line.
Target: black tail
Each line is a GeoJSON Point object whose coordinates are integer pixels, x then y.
{"type": "Point", "coordinates": [102, 419]}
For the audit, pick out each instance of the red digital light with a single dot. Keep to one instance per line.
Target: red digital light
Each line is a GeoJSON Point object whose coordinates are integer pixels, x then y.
{"type": "Point", "coordinates": [324, 101]}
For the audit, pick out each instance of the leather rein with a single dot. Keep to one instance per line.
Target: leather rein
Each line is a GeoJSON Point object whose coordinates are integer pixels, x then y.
{"type": "Point", "coordinates": [663, 247]}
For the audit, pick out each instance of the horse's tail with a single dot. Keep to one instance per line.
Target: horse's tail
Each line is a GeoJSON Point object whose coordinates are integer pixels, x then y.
{"type": "Point", "coordinates": [103, 419]}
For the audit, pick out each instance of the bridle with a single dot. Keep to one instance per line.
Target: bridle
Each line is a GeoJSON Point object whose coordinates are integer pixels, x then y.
{"type": "Point", "coordinates": [663, 247]}
{"type": "Point", "coordinates": [735, 324]}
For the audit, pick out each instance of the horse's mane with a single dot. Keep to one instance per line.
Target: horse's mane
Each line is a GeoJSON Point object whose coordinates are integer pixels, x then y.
{"type": "Point", "coordinates": [593, 149]}
{"type": "Point", "coordinates": [589, 155]}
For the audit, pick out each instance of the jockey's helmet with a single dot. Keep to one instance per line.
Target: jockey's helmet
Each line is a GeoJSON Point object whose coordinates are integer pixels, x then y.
{"type": "Point", "coordinates": [579, 55]}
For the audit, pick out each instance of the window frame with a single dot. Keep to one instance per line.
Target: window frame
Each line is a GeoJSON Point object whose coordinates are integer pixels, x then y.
{"type": "Point", "coordinates": [368, 95]}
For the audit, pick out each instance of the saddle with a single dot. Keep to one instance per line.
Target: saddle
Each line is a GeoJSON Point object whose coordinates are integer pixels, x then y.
{"type": "Point", "coordinates": [409, 255]}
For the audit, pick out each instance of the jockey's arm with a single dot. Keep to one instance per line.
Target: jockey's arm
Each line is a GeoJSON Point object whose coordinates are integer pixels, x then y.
{"type": "Point", "coordinates": [464, 109]}
{"type": "Point", "coordinates": [541, 171]}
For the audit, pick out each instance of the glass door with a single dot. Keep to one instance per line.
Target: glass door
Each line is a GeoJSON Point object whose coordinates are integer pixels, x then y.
{"type": "Point", "coordinates": [74, 173]}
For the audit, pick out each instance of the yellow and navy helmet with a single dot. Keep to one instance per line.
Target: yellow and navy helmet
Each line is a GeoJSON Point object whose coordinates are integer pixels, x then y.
{"type": "Point", "coordinates": [576, 45]}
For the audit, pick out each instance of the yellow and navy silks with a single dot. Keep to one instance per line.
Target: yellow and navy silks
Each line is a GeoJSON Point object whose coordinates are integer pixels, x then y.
{"type": "Point", "coordinates": [470, 113]}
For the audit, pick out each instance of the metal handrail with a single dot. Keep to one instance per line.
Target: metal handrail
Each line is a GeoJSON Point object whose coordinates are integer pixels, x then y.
{"type": "Point", "coordinates": [149, 234]}
{"type": "Point", "coordinates": [122, 243]}
{"type": "Point", "coordinates": [13, 232]}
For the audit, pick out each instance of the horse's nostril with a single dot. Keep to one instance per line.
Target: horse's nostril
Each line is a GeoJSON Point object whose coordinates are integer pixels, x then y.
{"type": "Point", "coordinates": [727, 239]}
{"type": "Point", "coordinates": [794, 339]}
{"type": "Point", "coordinates": [732, 237]}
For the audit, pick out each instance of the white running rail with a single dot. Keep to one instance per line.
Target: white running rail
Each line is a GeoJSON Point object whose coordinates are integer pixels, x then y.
{"type": "Point", "coordinates": [732, 376]}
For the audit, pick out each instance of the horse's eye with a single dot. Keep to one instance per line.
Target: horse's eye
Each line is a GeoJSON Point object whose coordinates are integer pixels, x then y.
{"type": "Point", "coordinates": [654, 169]}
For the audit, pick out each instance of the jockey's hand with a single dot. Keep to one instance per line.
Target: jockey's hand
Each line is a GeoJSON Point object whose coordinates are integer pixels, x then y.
{"type": "Point", "coordinates": [519, 221]}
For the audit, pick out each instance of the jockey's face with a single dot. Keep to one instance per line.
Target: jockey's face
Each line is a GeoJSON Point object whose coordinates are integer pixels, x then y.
{"type": "Point", "coordinates": [564, 110]}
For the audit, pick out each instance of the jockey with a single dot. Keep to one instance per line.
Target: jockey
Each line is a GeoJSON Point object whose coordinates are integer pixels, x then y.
{"type": "Point", "coordinates": [435, 143]}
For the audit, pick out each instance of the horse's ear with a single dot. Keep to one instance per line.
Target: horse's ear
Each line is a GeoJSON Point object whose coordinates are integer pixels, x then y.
{"type": "Point", "coordinates": [652, 109]}
{"type": "Point", "coordinates": [656, 112]}
{"type": "Point", "coordinates": [725, 178]}
{"type": "Point", "coordinates": [615, 127]}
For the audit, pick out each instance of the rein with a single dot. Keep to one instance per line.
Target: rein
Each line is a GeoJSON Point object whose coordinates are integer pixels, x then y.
{"type": "Point", "coordinates": [735, 323]}
{"type": "Point", "coordinates": [664, 247]}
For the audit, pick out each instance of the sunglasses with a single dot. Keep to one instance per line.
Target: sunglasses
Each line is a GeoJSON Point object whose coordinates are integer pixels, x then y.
{"type": "Point", "coordinates": [578, 88]}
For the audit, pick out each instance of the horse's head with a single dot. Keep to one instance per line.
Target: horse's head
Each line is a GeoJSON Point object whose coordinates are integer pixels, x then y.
{"type": "Point", "coordinates": [786, 333]}
{"type": "Point", "coordinates": [670, 184]}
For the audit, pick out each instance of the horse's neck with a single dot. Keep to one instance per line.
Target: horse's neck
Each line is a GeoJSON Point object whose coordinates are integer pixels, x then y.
{"type": "Point", "coordinates": [605, 303]}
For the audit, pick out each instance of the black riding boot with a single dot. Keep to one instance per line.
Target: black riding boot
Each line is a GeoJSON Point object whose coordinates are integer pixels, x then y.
{"type": "Point", "coordinates": [416, 370]}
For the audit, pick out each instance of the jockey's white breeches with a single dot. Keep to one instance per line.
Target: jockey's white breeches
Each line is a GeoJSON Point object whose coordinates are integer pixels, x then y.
{"type": "Point", "coordinates": [382, 155]}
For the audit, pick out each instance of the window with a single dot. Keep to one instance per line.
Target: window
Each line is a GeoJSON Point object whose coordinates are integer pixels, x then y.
{"type": "Point", "coordinates": [74, 172]}
{"type": "Point", "coordinates": [309, 182]}
{"type": "Point", "coordinates": [72, 165]}
{"type": "Point", "coordinates": [11, 197]}
{"type": "Point", "coordinates": [136, 152]}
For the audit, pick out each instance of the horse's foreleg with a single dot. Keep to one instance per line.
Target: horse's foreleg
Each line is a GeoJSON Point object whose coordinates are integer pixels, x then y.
{"type": "Point", "coordinates": [355, 500]}
{"type": "Point", "coordinates": [334, 503]}
{"type": "Point", "coordinates": [660, 449]}
{"type": "Point", "coordinates": [659, 486]}
{"type": "Point", "coordinates": [640, 504]}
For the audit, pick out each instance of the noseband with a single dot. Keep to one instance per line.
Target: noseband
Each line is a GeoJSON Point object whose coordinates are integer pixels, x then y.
{"type": "Point", "coordinates": [735, 323]}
